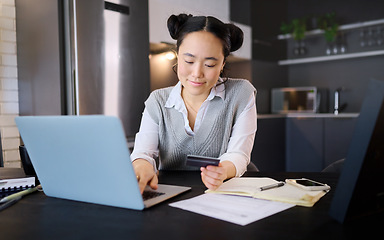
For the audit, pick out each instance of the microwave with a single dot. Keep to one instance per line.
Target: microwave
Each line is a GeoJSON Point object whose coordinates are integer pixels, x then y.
{"type": "Point", "coordinates": [294, 99]}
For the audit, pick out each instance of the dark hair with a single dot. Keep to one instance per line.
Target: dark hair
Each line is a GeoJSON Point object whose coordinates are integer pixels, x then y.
{"type": "Point", "coordinates": [230, 35]}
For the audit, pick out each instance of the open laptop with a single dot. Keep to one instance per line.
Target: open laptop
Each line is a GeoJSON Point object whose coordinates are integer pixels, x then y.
{"type": "Point", "coordinates": [86, 158]}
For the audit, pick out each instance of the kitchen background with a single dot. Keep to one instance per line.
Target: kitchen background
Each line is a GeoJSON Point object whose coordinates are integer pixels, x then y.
{"type": "Point", "coordinates": [43, 63]}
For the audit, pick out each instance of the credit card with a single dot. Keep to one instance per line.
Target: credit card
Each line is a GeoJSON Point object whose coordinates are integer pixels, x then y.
{"type": "Point", "coordinates": [201, 161]}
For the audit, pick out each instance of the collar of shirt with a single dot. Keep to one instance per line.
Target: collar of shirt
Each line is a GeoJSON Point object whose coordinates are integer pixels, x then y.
{"type": "Point", "coordinates": [175, 100]}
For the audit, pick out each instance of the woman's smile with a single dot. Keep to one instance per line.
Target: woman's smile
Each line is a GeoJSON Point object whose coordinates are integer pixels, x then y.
{"type": "Point", "coordinates": [195, 83]}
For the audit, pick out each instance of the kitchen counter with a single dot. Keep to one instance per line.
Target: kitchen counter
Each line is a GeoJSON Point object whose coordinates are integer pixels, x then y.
{"type": "Point", "coordinates": [308, 115]}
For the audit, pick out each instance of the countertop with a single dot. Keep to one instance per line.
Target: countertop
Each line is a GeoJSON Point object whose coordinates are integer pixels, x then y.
{"type": "Point", "coordinates": [308, 115]}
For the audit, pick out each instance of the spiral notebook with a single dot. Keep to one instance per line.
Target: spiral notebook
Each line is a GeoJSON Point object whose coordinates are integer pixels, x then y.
{"type": "Point", "coordinates": [11, 186]}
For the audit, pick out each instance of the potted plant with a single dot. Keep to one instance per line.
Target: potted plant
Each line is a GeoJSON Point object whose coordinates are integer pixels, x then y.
{"type": "Point", "coordinates": [328, 23]}
{"type": "Point", "coordinates": [297, 27]}
{"type": "Point", "coordinates": [286, 28]}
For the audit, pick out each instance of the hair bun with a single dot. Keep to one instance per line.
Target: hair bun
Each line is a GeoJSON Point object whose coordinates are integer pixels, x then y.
{"type": "Point", "coordinates": [236, 36]}
{"type": "Point", "coordinates": [176, 23]}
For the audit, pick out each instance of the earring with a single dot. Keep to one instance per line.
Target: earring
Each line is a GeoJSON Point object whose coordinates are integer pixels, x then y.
{"type": "Point", "coordinates": [174, 68]}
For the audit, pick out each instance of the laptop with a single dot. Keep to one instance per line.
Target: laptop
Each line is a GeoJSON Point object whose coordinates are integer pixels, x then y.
{"type": "Point", "coordinates": [86, 158]}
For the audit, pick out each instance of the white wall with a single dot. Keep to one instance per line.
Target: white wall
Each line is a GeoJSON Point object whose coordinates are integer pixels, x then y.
{"type": "Point", "coordinates": [160, 10]}
{"type": "Point", "coordinates": [9, 99]}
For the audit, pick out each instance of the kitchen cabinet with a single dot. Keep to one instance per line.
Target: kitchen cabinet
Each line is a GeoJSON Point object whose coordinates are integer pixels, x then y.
{"type": "Point", "coordinates": [304, 144]}
{"type": "Point", "coordinates": [268, 152]}
{"type": "Point", "coordinates": [314, 143]}
{"type": "Point", "coordinates": [301, 142]}
{"type": "Point", "coordinates": [338, 133]}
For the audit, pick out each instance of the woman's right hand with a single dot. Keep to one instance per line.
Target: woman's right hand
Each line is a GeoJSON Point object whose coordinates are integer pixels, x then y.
{"type": "Point", "coordinates": [145, 174]}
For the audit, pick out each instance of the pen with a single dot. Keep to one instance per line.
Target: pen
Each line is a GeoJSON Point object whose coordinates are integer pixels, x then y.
{"type": "Point", "coordinates": [16, 195]}
{"type": "Point", "coordinates": [275, 185]}
{"type": "Point", "coordinates": [9, 203]}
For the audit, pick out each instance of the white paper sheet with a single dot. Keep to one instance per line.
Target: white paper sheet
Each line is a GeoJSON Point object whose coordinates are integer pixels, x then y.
{"type": "Point", "coordinates": [234, 209]}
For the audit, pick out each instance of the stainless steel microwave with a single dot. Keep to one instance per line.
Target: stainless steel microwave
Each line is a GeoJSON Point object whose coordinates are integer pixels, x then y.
{"type": "Point", "coordinates": [294, 99]}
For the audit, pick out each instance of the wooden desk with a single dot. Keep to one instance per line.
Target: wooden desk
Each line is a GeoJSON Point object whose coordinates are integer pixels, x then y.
{"type": "Point", "coordinates": [39, 217]}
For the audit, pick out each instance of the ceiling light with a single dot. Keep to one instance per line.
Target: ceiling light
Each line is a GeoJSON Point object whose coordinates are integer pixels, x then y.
{"type": "Point", "coordinates": [170, 55]}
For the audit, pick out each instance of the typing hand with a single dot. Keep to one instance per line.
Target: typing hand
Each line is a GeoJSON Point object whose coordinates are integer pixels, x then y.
{"type": "Point", "coordinates": [145, 174]}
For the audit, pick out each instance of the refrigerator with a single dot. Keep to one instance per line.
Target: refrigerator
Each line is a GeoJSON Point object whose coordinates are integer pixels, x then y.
{"type": "Point", "coordinates": [81, 57]}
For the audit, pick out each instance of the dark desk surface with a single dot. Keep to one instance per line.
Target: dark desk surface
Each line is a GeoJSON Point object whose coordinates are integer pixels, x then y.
{"type": "Point", "coordinates": [39, 217]}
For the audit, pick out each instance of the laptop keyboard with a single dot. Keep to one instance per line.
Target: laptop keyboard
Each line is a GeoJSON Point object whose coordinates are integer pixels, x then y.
{"type": "Point", "coordinates": [151, 194]}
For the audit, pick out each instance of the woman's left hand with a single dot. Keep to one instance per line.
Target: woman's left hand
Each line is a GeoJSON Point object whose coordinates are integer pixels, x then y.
{"type": "Point", "coordinates": [214, 176]}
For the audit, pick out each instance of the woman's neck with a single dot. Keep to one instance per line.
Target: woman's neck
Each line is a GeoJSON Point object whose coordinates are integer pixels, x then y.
{"type": "Point", "coordinates": [193, 101]}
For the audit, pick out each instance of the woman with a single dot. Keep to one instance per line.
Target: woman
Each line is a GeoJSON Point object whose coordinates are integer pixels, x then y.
{"type": "Point", "coordinates": [201, 115]}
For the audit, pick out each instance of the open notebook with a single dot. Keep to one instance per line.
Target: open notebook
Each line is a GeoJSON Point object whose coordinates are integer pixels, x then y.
{"type": "Point", "coordinates": [86, 158]}
{"type": "Point", "coordinates": [250, 186]}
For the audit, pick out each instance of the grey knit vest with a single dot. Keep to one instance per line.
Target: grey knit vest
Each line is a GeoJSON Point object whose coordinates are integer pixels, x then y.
{"type": "Point", "coordinates": [211, 139]}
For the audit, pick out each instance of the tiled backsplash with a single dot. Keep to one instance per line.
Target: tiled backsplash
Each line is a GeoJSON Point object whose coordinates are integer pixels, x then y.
{"type": "Point", "coordinates": [9, 99]}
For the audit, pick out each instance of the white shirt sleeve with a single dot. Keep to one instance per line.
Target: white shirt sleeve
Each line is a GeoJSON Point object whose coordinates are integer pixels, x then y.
{"type": "Point", "coordinates": [242, 138]}
{"type": "Point", "coordinates": [146, 140]}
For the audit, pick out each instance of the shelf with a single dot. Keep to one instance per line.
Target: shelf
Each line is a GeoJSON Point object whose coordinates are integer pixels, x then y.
{"type": "Point", "coordinates": [341, 28]}
{"type": "Point", "coordinates": [332, 57]}
{"type": "Point", "coordinates": [308, 115]}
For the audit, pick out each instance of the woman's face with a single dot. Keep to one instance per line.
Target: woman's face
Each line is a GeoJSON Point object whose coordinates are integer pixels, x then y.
{"type": "Point", "coordinates": [200, 61]}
